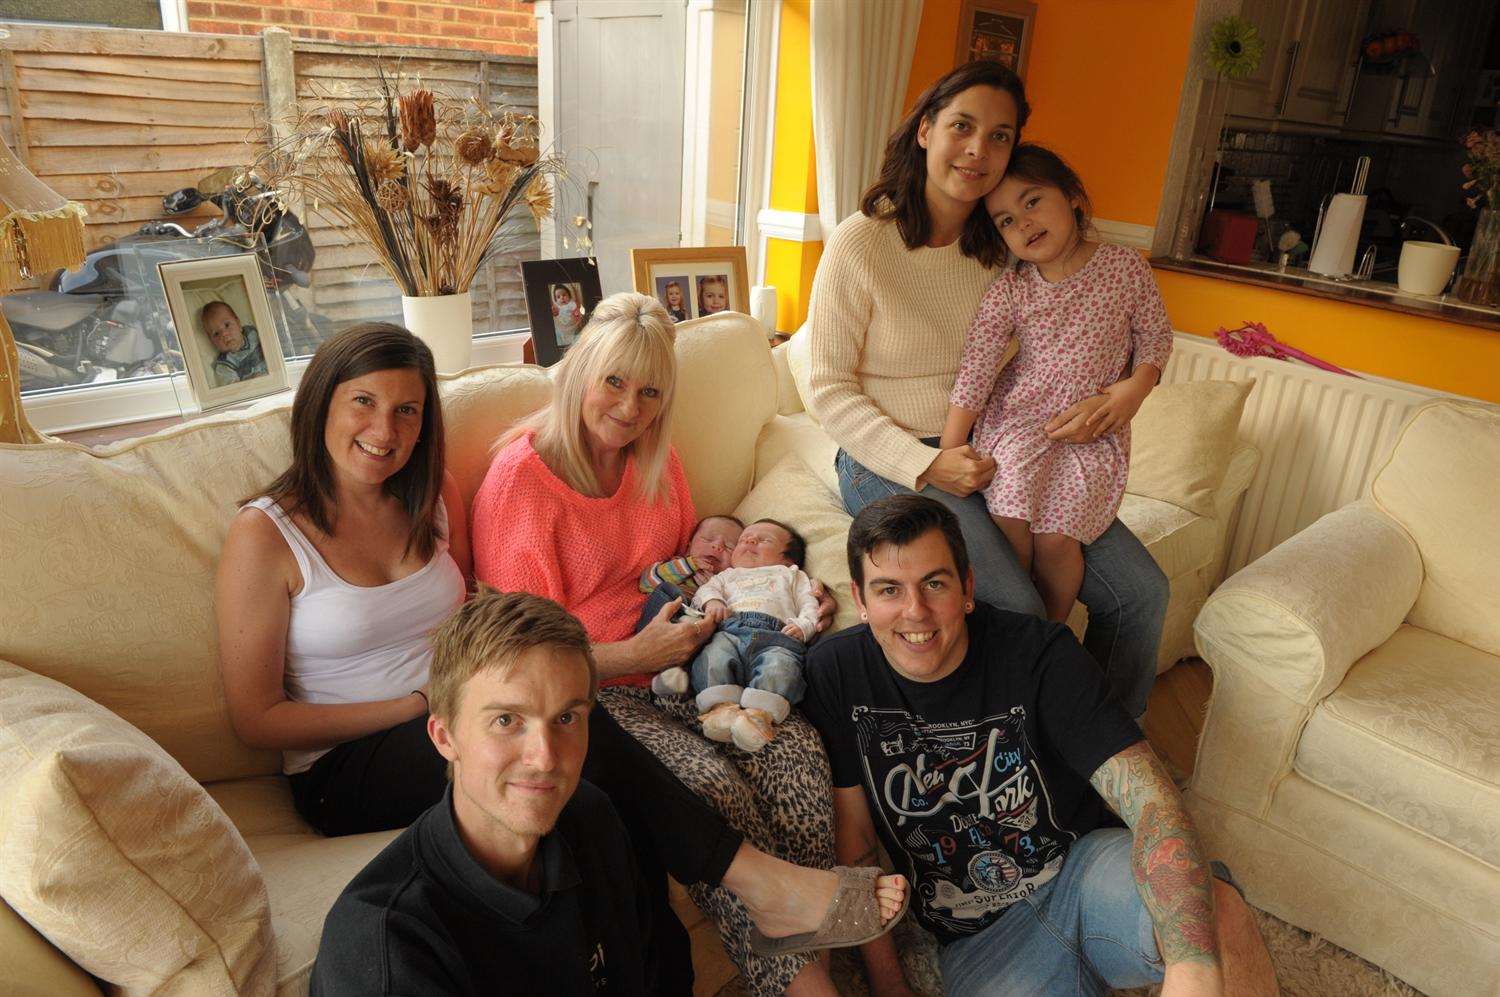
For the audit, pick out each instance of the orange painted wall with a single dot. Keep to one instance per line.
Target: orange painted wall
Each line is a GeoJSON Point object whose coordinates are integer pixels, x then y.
{"type": "Point", "coordinates": [1444, 355]}
{"type": "Point", "coordinates": [790, 266]}
{"type": "Point", "coordinates": [1104, 81]}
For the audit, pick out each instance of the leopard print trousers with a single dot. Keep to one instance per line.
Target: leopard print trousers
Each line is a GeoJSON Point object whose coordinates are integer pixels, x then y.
{"type": "Point", "coordinates": [779, 798]}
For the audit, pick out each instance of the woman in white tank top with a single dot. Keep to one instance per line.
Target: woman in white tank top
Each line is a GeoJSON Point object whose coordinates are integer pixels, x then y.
{"type": "Point", "coordinates": [330, 584]}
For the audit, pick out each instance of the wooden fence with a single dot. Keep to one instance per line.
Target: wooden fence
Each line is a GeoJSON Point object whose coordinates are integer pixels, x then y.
{"type": "Point", "coordinates": [114, 119]}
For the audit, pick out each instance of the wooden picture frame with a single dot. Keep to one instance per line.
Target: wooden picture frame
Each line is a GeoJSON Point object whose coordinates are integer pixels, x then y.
{"type": "Point", "coordinates": [706, 276]}
{"type": "Point", "coordinates": [253, 370]}
{"type": "Point", "coordinates": [560, 296]}
{"type": "Point", "coordinates": [996, 29]}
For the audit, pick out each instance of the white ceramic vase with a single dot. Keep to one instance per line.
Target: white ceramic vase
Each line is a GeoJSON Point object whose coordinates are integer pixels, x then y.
{"type": "Point", "coordinates": [446, 323]}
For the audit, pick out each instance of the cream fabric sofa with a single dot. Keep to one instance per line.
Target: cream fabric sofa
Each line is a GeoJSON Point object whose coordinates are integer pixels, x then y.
{"type": "Point", "coordinates": [1350, 762]}
{"type": "Point", "coordinates": [106, 581]}
{"type": "Point", "coordinates": [1189, 547]}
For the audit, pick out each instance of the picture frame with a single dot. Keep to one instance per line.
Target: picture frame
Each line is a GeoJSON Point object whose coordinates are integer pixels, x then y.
{"type": "Point", "coordinates": [219, 372]}
{"type": "Point", "coordinates": [711, 279]}
{"type": "Point", "coordinates": [996, 29]}
{"type": "Point", "coordinates": [560, 296]}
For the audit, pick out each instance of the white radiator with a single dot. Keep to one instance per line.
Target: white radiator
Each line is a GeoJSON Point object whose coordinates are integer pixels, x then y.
{"type": "Point", "coordinates": [1321, 437]}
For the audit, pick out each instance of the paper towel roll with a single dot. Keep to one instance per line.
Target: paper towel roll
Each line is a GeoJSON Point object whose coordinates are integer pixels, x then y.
{"type": "Point", "coordinates": [1333, 256]}
{"type": "Point", "coordinates": [763, 306]}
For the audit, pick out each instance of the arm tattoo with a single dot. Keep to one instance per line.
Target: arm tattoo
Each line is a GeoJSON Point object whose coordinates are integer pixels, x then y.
{"type": "Point", "coordinates": [1170, 869]}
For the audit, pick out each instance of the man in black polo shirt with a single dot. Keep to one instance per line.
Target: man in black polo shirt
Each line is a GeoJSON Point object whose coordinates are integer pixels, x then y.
{"type": "Point", "coordinates": [521, 880]}
{"type": "Point", "coordinates": [984, 751]}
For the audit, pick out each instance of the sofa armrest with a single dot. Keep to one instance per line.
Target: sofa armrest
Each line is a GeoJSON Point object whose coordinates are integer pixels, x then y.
{"type": "Point", "coordinates": [1281, 634]}
{"type": "Point", "coordinates": [788, 399]}
{"type": "Point", "coordinates": [31, 966]}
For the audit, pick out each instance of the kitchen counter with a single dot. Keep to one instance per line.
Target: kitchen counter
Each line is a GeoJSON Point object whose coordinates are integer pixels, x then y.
{"type": "Point", "coordinates": [1374, 294]}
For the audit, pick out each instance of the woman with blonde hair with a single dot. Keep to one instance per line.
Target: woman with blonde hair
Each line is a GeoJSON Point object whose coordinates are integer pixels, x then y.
{"type": "Point", "coordinates": [583, 495]}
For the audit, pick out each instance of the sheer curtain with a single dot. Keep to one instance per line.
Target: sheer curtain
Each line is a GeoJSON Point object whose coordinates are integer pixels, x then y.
{"type": "Point", "coordinates": [861, 58]}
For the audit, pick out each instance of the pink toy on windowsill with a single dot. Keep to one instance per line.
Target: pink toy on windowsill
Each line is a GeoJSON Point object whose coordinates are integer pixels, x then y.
{"type": "Point", "coordinates": [1254, 340]}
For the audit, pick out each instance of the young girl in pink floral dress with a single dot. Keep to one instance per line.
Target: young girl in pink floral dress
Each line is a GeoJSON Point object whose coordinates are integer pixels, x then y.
{"type": "Point", "coordinates": [1088, 320]}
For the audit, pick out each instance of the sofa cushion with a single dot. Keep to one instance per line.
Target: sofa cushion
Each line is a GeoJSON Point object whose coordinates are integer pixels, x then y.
{"type": "Point", "coordinates": [788, 400]}
{"type": "Point", "coordinates": [1181, 542]}
{"type": "Point", "coordinates": [479, 405]}
{"type": "Point", "coordinates": [1182, 439]}
{"type": "Point", "coordinates": [1439, 484]}
{"type": "Point", "coordinates": [33, 966]}
{"type": "Point", "coordinates": [304, 872]}
{"type": "Point", "coordinates": [726, 393]}
{"type": "Point", "coordinates": [109, 567]}
{"type": "Point", "coordinates": [799, 365]}
{"type": "Point", "coordinates": [794, 494]}
{"type": "Point", "coordinates": [111, 850]}
{"type": "Point", "coordinates": [797, 434]}
{"type": "Point", "coordinates": [1414, 733]}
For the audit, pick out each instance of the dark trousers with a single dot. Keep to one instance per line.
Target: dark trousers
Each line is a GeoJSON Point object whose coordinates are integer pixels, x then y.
{"type": "Point", "coordinates": [384, 780]}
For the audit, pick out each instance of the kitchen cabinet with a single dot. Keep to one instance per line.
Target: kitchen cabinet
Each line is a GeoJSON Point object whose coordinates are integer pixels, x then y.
{"type": "Point", "coordinates": [1322, 72]}
{"type": "Point", "coordinates": [1421, 94]}
{"type": "Point", "coordinates": [1259, 94]}
{"type": "Point", "coordinates": [1308, 67]}
{"type": "Point", "coordinates": [1312, 71]}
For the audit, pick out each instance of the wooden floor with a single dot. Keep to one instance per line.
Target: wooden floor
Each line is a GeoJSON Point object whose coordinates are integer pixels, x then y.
{"type": "Point", "coordinates": [1174, 719]}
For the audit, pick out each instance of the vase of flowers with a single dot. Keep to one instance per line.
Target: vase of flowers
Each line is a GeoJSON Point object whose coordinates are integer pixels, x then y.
{"type": "Point", "coordinates": [1480, 281]}
{"type": "Point", "coordinates": [427, 182]}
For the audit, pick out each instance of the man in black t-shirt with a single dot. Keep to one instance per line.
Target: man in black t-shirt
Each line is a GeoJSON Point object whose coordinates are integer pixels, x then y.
{"type": "Point", "coordinates": [521, 880]}
{"type": "Point", "coordinates": [984, 751]}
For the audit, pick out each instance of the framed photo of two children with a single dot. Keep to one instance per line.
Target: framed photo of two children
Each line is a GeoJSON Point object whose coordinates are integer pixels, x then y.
{"type": "Point", "coordinates": [692, 282]}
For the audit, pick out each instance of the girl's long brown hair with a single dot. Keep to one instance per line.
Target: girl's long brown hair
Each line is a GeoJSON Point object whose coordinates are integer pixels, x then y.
{"type": "Point", "coordinates": [900, 191]}
{"type": "Point", "coordinates": [307, 485]}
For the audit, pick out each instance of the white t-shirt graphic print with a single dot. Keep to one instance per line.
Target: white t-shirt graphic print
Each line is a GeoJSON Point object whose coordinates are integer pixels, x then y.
{"type": "Point", "coordinates": [969, 805]}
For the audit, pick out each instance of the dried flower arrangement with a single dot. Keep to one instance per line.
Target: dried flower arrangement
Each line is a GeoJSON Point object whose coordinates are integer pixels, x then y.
{"type": "Point", "coordinates": [426, 180]}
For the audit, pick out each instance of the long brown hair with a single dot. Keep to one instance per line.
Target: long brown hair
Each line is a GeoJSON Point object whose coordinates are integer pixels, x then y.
{"type": "Point", "coordinates": [900, 191]}
{"type": "Point", "coordinates": [307, 485]}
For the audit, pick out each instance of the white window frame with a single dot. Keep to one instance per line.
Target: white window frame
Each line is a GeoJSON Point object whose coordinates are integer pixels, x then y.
{"type": "Point", "coordinates": [174, 16]}
{"type": "Point", "coordinates": [94, 406]}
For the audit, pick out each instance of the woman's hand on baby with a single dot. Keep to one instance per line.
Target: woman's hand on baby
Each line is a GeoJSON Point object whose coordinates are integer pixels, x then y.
{"type": "Point", "coordinates": [960, 471]}
{"type": "Point", "coordinates": [1071, 425]}
{"type": "Point", "coordinates": [1123, 400]}
{"type": "Point", "coordinates": [662, 643]}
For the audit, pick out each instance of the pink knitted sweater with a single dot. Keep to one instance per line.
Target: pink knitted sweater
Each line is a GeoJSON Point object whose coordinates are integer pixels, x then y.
{"type": "Point", "coordinates": [533, 533]}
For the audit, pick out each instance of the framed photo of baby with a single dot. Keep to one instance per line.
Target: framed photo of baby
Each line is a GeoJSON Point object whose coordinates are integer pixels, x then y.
{"type": "Point", "coordinates": [226, 328]}
{"type": "Point", "coordinates": [693, 282]}
{"type": "Point", "coordinates": [560, 296]}
{"type": "Point", "coordinates": [1000, 30]}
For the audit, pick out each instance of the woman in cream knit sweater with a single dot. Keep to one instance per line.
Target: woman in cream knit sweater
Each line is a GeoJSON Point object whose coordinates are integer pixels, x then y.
{"type": "Point", "coordinates": [896, 289]}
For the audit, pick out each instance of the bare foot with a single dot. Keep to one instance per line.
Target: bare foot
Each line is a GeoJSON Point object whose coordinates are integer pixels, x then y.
{"type": "Point", "coordinates": [786, 899]}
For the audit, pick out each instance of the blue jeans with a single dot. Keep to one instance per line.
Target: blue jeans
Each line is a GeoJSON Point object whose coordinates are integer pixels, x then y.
{"type": "Point", "coordinates": [659, 597]}
{"type": "Point", "coordinates": [749, 651]}
{"type": "Point", "coordinates": [1085, 931]}
{"type": "Point", "coordinates": [1124, 590]}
